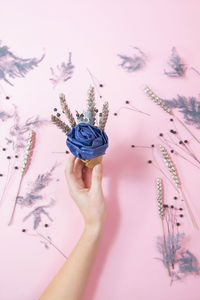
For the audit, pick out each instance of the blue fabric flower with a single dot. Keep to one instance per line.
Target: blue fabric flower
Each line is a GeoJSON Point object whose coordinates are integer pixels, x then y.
{"type": "Point", "coordinates": [86, 141]}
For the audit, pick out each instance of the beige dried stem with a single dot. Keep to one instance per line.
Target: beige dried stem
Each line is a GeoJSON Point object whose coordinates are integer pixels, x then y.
{"type": "Point", "coordinates": [104, 116]}
{"type": "Point", "coordinates": [60, 124]}
{"type": "Point", "coordinates": [166, 108]}
{"type": "Point", "coordinates": [172, 169]}
{"type": "Point", "coordinates": [67, 111]}
{"type": "Point", "coordinates": [159, 186]}
{"type": "Point", "coordinates": [25, 165]}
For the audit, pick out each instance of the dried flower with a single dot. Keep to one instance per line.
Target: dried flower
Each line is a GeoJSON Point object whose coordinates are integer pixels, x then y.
{"type": "Point", "coordinates": [104, 116]}
{"type": "Point", "coordinates": [157, 100]}
{"type": "Point", "coordinates": [62, 125]}
{"type": "Point", "coordinates": [91, 111]}
{"type": "Point", "coordinates": [67, 111]}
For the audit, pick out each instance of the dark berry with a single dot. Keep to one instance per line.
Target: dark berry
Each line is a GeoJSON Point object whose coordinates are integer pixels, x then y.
{"type": "Point", "coordinates": [115, 114]}
{"type": "Point", "coordinates": [46, 225]}
{"type": "Point", "coordinates": [149, 161]}
{"type": "Point", "coordinates": [180, 142]}
{"type": "Point", "coordinates": [58, 115]}
{"type": "Point", "coordinates": [161, 134]}
{"type": "Point", "coordinates": [180, 208]}
{"type": "Point", "coordinates": [1, 174]}
{"type": "Point", "coordinates": [172, 206]}
{"type": "Point", "coordinates": [178, 224]}
{"type": "Point", "coordinates": [127, 102]}
{"type": "Point", "coordinates": [4, 149]}
{"type": "Point", "coordinates": [181, 216]}
{"type": "Point", "coordinates": [152, 145]}
{"type": "Point", "coordinates": [171, 120]}
{"type": "Point", "coordinates": [7, 97]}
{"type": "Point", "coordinates": [175, 198]}
{"type": "Point", "coordinates": [16, 167]}
{"type": "Point", "coordinates": [67, 152]}
{"type": "Point", "coordinates": [8, 157]}
{"type": "Point", "coordinates": [185, 141]}
{"type": "Point", "coordinates": [16, 156]}
{"type": "Point", "coordinates": [23, 230]}
{"type": "Point", "coordinates": [101, 85]}
{"type": "Point", "coordinates": [133, 146]}
{"type": "Point", "coordinates": [172, 151]}
{"type": "Point", "coordinates": [55, 109]}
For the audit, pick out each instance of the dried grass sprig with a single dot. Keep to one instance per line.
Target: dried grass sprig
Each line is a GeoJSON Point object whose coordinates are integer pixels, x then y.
{"type": "Point", "coordinates": [62, 125]}
{"type": "Point", "coordinates": [91, 112]}
{"type": "Point", "coordinates": [160, 197]}
{"type": "Point", "coordinates": [157, 100]}
{"type": "Point", "coordinates": [166, 108]}
{"type": "Point", "coordinates": [67, 111]}
{"type": "Point", "coordinates": [104, 116]}
{"type": "Point", "coordinates": [25, 165]}
{"type": "Point", "coordinates": [171, 167]}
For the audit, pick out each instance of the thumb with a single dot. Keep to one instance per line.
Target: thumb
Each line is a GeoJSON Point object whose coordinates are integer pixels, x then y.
{"type": "Point", "coordinates": [96, 178]}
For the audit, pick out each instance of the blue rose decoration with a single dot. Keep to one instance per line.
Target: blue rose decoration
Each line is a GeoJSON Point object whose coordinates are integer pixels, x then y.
{"type": "Point", "coordinates": [86, 141]}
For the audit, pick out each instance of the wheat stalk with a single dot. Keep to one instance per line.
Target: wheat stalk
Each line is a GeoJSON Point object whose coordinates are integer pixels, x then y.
{"type": "Point", "coordinates": [67, 111]}
{"type": "Point", "coordinates": [171, 167]}
{"type": "Point", "coordinates": [25, 165]}
{"type": "Point", "coordinates": [91, 106]}
{"type": "Point", "coordinates": [104, 116]}
{"type": "Point", "coordinates": [166, 108]}
{"type": "Point", "coordinates": [62, 125]}
{"type": "Point", "coordinates": [160, 197]}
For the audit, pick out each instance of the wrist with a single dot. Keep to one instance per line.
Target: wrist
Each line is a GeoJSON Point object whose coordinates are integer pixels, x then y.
{"type": "Point", "coordinates": [94, 228]}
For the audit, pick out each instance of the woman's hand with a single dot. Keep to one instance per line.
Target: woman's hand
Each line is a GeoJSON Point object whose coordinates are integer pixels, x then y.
{"type": "Point", "coordinates": [85, 187]}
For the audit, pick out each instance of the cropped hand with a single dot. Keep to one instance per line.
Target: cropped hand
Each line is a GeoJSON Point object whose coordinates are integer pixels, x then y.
{"type": "Point", "coordinates": [85, 187]}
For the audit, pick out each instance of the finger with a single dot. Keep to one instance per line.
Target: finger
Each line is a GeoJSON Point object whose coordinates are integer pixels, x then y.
{"type": "Point", "coordinates": [96, 184]}
{"type": "Point", "coordinates": [69, 170]}
{"type": "Point", "coordinates": [78, 169]}
{"type": "Point", "coordinates": [87, 172]}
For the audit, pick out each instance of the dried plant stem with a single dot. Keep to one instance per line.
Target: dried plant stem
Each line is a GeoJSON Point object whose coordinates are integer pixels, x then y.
{"type": "Point", "coordinates": [60, 124]}
{"type": "Point", "coordinates": [194, 223]}
{"type": "Point", "coordinates": [190, 132]}
{"type": "Point", "coordinates": [104, 116]}
{"type": "Point", "coordinates": [15, 204]}
{"type": "Point", "coordinates": [174, 174]}
{"type": "Point", "coordinates": [166, 108]}
{"type": "Point", "coordinates": [67, 111]}
{"type": "Point", "coordinates": [49, 241]}
{"type": "Point", "coordinates": [26, 163]}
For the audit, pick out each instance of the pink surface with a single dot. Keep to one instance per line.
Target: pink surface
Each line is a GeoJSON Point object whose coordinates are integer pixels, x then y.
{"type": "Point", "coordinates": [96, 32]}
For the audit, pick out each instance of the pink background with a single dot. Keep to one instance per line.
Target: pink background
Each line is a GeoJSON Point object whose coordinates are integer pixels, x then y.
{"type": "Point", "coordinates": [96, 32]}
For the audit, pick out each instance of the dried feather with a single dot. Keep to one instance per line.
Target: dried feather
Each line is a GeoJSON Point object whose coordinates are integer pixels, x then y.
{"type": "Point", "coordinates": [37, 186]}
{"type": "Point", "coordinates": [60, 124]}
{"type": "Point", "coordinates": [175, 62]}
{"type": "Point", "coordinates": [67, 111]}
{"type": "Point", "coordinates": [63, 73]}
{"type": "Point", "coordinates": [13, 66]}
{"type": "Point", "coordinates": [189, 107]}
{"type": "Point", "coordinates": [134, 63]}
{"type": "Point", "coordinates": [104, 116]}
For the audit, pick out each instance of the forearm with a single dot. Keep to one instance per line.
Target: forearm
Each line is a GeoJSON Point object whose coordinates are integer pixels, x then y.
{"type": "Point", "coordinates": [71, 280]}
